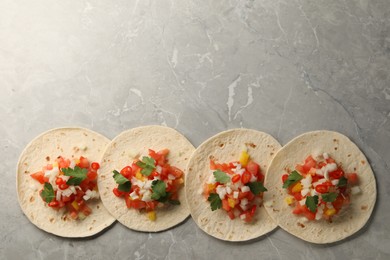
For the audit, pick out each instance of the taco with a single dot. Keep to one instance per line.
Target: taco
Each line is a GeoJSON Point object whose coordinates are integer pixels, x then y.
{"type": "Point", "coordinates": [224, 184]}
{"type": "Point", "coordinates": [320, 187]}
{"type": "Point", "coordinates": [56, 182]}
{"type": "Point", "coordinates": [142, 178]}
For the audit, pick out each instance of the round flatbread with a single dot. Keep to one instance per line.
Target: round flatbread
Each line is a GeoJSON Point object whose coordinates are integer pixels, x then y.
{"type": "Point", "coordinates": [348, 155]}
{"type": "Point", "coordinates": [122, 151]}
{"type": "Point", "coordinates": [226, 147]}
{"type": "Point", "coordinates": [69, 143]}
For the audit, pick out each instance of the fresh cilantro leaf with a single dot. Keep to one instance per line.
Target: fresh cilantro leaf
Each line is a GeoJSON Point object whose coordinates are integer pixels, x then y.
{"type": "Point", "coordinates": [174, 202]}
{"type": "Point", "coordinates": [78, 175]}
{"type": "Point", "coordinates": [221, 176]}
{"type": "Point", "coordinates": [147, 165]}
{"type": "Point", "coordinates": [119, 178]}
{"type": "Point", "coordinates": [165, 198]}
{"type": "Point", "coordinates": [342, 182]}
{"type": "Point", "coordinates": [311, 203]}
{"type": "Point", "coordinates": [293, 177]}
{"type": "Point", "coordinates": [125, 187]}
{"type": "Point", "coordinates": [215, 201]}
{"type": "Point", "coordinates": [256, 187]}
{"type": "Point", "coordinates": [47, 193]}
{"type": "Point", "coordinates": [158, 188]}
{"type": "Point", "coordinates": [329, 197]}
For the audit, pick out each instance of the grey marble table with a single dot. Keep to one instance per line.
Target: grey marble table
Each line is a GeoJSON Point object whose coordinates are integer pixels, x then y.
{"type": "Point", "coordinates": [283, 67]}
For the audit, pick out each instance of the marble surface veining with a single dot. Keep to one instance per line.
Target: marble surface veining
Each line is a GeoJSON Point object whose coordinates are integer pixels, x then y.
{"type": "Point", "coordinates": [283, 67]}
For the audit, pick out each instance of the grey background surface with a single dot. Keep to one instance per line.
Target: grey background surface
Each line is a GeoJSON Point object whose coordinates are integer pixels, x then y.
{"type": "Point", "coordinates": [283, 67]}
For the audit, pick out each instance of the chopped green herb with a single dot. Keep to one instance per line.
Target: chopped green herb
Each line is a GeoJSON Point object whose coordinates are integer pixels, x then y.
{"type": "Point", "coordinates": [215, 201]}
{"type": "Point", "coordinates": [174, 202]}
{"type": "Point", "coordinates": [329, 197]}
{"type": "Point", "coordinates": [47, 193]}
{"type": "Point", "coordinates": [311, 203]}
{"type": "Point", "coordinates": [124, 183]}
{"type": "Point", "coordinates": [221, 176]}
{"type": "Point", "coordinates": [342, 182]}
{"type": "Point", "coordinates": [78, 175]}
{"type": "Point", "coordinates": [293, 177]}
{"type": "Point", "coordinates": [158, 188]}
{"type": "Point", "coordinates": [147, 165]}
{"type": "Point", "coordinates": [256, 187]}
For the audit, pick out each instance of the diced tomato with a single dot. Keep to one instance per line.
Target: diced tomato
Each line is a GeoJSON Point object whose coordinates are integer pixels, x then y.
{"type": "Point", "coordinates": [61, 204]}
{"type": "Point", "coordinates": [236, 178]}
{"type": "Point", "coordinates": [322, 188]}
{"type": "Point", "coordinates": [260, 177]}
{"type": "Point", "coordinates": [309, 163]}
{"type": "Point", "coordinates": [338, 203]}
{"type": "Point", "coordinates": [67, 199]}
{"type": "Point", "coordinates": [63, 186]}
{"type": "Point", "coordinates": [138, 204]}
{"type": "Point", "coordinates": [151, 204]}
{"type": "Point", "coordinates": [299, 168]}
{"type": "Point", "coordinates": [253, 210]}
{"type": "Point", "coordinates": [336, 174]}
{"type": "Point", "coordinates": [245, 177]}
{"type": "Point", "coordinates": [73, 214]}
{"type": "Point", "coordinates": [250, 196]}
{"type": "Point", "coordinates": [128, 200]}
{"type": "Point", "coordinates": [316, 177]}
{"type": "Point", "coordinates": [127, 172]}
{"type": "Point", "coordinates": [253, 168]}
{"type": "Point", "coordinates": [92, 175]}
{"type": "Point", "coordinates": [40, 176]}
{"type": "Point", "coordinates": [176, 172]}
{"type": "Point", "coordinates": [164, 172]}
{"type": "Point", "coordinates": [117, 192]}
{"type": "Point", "coordinates": [225, 205]}
{"type": "Point", "coordinates": [95, 166]}
{"type": "Point", "coordinates": [231, 214]}
{"type": "Point", "coordinates": [284, 178]}
{"type": "Point", "coordinates": [53, 204]}
{"type": "Point", "coordinates": [352, 178]}
{"type": "Point", "coordinates": [248, 217]}
{"type": "Point", "coordinates": [84, 163]}
{"type": "Point", "coordinates": [302, 209]}
{"type": "Point", "coordinates": [212, 165]}
{"type": "Point", "coordinates": [85, 209]}
{"type": "Point", "coordinates": [297, 195]}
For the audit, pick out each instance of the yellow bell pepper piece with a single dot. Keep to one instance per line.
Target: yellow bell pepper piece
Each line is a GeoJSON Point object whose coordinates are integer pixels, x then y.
{"type": "Point", "coordinates": [244, 158]}
{"type": "Point", "coordinates": [139, 176]}
{"type": "Point", "coordinates": [330, 212]}
{"type": "Point", "coordinates": [211, 187]}
{"type": "Point", "coordinates": [297, 187]}
{"type": "Point", "coordinates": [152, 215]}
{"type": "Point", "coordinates": [231, 202]}
{"type": "Point", "coordinates": [75, 205]}
{"type": "Point", "coordinates": [289, 200]}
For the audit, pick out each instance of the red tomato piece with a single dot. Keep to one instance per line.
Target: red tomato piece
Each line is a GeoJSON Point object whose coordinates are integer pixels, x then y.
{"type": "Point", "coordinates": [63, 186]}
{"type": "Point", "coordinates": [225, 205]}
{"type": "Point", "coordinates": [309, 163]}
{"type": "Point", "coordinates": [236, 178]}
{"type": "Point", "coordinates": [117, 192]}
{"type": "Point", "coordinates": [299, 168]}
{"type": "Point", "coordinates": [95, 166]}
{"type": "Point", "coordinates": [138, 204]}
{"type": "Point", "coordinates": [246, 177]}
{"type": "Point", "coordinates": [176, 172]}
{"type": "Point", "coordinates": [337, 174]}
{"type": "Point", "coordinates": [322, 188]}
{"type": "Point", "coordinates": [127, 172]}
{"type": "Point", "coordinates": [53, 204]}
{"type": "Point", "coordinates": [128, 200]}
{"type": "Point", "coordinates": [231, 214]}
{"type": "Point", "coordinates": [352, 178]}
{"type": "Point", "coordinates": [84, 163]}
{"type": "Point", "coordinates": [39, 176]}
{"type": "Point", "coordinates": [253, 168]}
{"type": "Point", "coordinates": [91, 175]}
{"type": "Point", "coordinates": [284, 178]}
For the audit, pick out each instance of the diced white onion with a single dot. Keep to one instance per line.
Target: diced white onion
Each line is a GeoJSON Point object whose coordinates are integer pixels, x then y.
{"type": "Point", "coordinates": [329, 205]}
{"type": "Point", "coordinates": [235, 194]}
{"type": "Point", "coordinates": [243, 216]}
{"type": "Point", "coordinates": [304, 192]}
{"type": "Point", "coordinates": [245, 189]}
{"type": "Point", "coordinates": [134, 195]}
{"type": "Point", "coordinates": [221, 191]}
{"type": "Point", "coordinates": [335, 182]}
{"type": "Point", "coordinates": [253, 178]}
{"type": "Point", "coordinates": [147, 196]}
{"type": "Point", "coordinates": [228, 190]}
{"type": "Point", "coordinates": [244, 201]}
{"type": "Point", "coordinates": [355, 190]}
{"type": "Point", "coordinates": [58, 195]}
{"type": "Point", "coordinates": [302, 201]}
{"type": "Point", "coordinates": [306, 182]}
{"type": "Point", "coordinates": [158, 169]}
{"type": "Point", "coordinates": [171, 177]}
{"type": "Point", "coordinates": [319, 172]}
{"type": "Point", "coordinates": [325, 155]}
{"type": "Point", "coordinates": [72, 164]}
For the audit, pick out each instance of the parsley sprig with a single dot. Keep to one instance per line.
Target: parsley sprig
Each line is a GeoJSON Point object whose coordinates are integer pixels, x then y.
{"type": "Point", "coordinates": [47, 193]}
{"type": "Point", "coordinates": [77, 175]}
{"type": "Point", "coordinates": [256, 187]}
{"type": "Point", "coordinates": [124, 183]}
{"type": "Point", "coordinates": [147, 164]}
{"type": "Point", "coordinates": [215, 201]}
{"type": "Point", "coordinates": [293, 177]}
{"type": "Point", "coordinates": [221, 176]}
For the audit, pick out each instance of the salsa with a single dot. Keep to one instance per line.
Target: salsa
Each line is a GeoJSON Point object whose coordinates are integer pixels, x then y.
{"type": "Point", "coordinates": [236, 187]}
{"type": "Point", "coordinates": [69, 184]}
{"type": "Point", "coordinates": [319, 189]}
{"type": "Point", "coordinates": [149, 183]}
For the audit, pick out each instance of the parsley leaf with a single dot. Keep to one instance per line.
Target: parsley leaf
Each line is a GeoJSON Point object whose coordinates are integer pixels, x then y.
{"type": "Point", "coordinates": [342, 182]}
{"type": "Point", "coordinates": [147, 165]}
{"type": "Point", "coordinates": [215, 201]}
{"type": "Point", "coordinates": [124, 183]}
{"type": "Point", "coordinates": [47, 193]}
{"type": "Point", "coordinates": [256, 187]}
{"type": "Point", "coordinates": [159, 192]}
{"type": "Point", "coordinates": [293, 177]}
{"type": "Point", "coordinates": [329, 197]}
{"type": "Point", "coordinates": [78, 175]}
{"type": "Point", "coordinates": [221, 176]}
{"type": "Point", "coordinates": [311, 203]}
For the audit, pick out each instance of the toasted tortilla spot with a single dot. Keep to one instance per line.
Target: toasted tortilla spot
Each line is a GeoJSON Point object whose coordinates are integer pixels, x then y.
{"type": "Point", "coordinates": [364, 207]}
{"type": "Point", "coordinates": [251, 145]}
{"type": "Point", "coordinates": [47, 158]}
{"type": "Point", "coordinates": [51, 220]}
{"type": "Point", "coordinates": [221, 145]}
{"type": "Point", "coordinates": [335, 148]}
{"type": "Point", "coordinates": [300, 224]}
{"type": "Point", "coordinates": [363, 162]}
{"type": "Point", "coordinates": [32, 198]}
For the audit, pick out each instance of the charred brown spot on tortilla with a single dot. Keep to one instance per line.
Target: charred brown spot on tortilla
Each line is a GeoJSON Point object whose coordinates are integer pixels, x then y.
{"type": "Point", "coordinates": [354, 168]}
{"type": "Point", "coordinates": [114, 145]}
{"type": "Point", "coordinates": [275, 210]}
{"type": "Point", "coordinates": [98, 207]}
{"type": "Point", "coordinates": [221, 145]}
{"type": "Point", "coordinates": [26, 171]}
{"type": "Point", "coordinates": [190, 169]}
{"type": "Point", "coordinates": [335, 148]}
{"type": "Point", "coordinates": [51, 220]}
{"type": "Point", "coordinates": [349, 155]}
{"type": "Point", "coordinates": [363, 162]}
{"type": "Point", "coordinates": [64, 218]}
{"type": "Point", "coordinates": [364, 207]}
{"type": "Point", "coordinates": [58, 147]}
{"type": "Point", "coordinates": [90, 228]}
{"type": "Point", "coordinates": [76, 149]}
{"type": "Point", "coordinates": [300, 224]}
{"type": "Point", "coordinates": [32, 198]}
{"type": "Point", "coordinates": [268, 145]}
{"type": "Point", "coordinates": [26, 164]}
{"type": "Point", "coordinates": [47, 158]}
{"type": "Point", "coordinates": [271, 154]}
{"type": "Point", "coordinates": [85, 134]}
{"type": "Point", "coordinates": [32, 216]}
{"type": "Point", "coordinates": [103, 176]}
{"type": "Point", "coordinates": [211, 157]}
{"type": "Point", "coordinates": [250, 145]}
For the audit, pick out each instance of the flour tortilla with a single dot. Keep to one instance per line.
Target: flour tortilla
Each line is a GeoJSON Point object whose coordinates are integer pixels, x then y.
{"type": "Point", "coordinates": [226, 147]}
{"type": "Point", "coordinates": [44, 149]}
{"type": "Point", "coordinates": [346, 153]}
{"type": "Point", "coordinates": [122, 151]}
